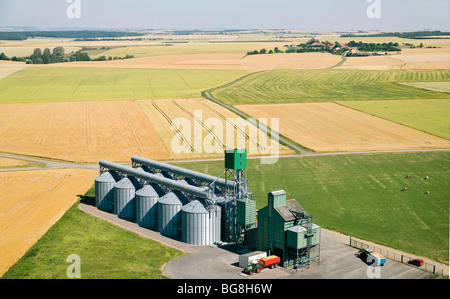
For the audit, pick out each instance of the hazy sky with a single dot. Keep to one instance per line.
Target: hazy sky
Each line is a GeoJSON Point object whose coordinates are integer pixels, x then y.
{"type": "Point", "coordinates": [230, 14]}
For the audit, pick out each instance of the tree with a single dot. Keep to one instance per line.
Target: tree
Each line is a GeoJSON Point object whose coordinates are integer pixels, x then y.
{"type": "Point", "coordinates": [3, 56]}
{"type": "Point", "coordinates": [58, 51]}
{"type": "Point", "coordinates": [47, 56]}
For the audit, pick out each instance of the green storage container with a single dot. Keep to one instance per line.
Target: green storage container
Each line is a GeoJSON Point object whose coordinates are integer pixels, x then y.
{"type": "Point", "coordinates": [246, 212]}
{"type": "Point", "coordinates": [236, 159]}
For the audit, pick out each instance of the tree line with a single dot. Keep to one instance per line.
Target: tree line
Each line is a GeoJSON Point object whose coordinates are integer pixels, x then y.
{"type": "Point", "coordinates": [410, 35]}
{"type": "Point", "coordinates": [23, 35]}
{"type": "Point", "coordinates": [58, 55]}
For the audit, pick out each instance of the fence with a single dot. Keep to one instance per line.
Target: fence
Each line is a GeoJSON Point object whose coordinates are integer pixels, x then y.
{"type": "Point", "coordinates": [398, 257]}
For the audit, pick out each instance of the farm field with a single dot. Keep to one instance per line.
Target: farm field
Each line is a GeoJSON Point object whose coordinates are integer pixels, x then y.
{"type": "Point", "coordinates": [293, 86]}
{"type": "Point", "coordinates": [219, 62]}
{"type": "Point", "coordinates": [106, 251]}
{"type": "Point", "coordinates": [85, 132]}
{"type": "Point", "coordinates": [59, 84]}
{"type": "Point", "coordinates": [329, 127]}
{"type": "Point", "coordinates": [360, 195]}
{"type": "Point", "coordinates": [434, 86]}
{"type": "Point", "coordinates": [431, 116]}
{"type": "Point", "coordinates": [221, 129]}
{"type": "Point", "coordinates": [424, 59]}
{"type": "Point", "coordinates": [8, 68]}
{"type": "Point", "coordinates": [371, 63]}
{"type": "Point", "coordinates": [31, 202]}
{"type": "Point", "coordinates": [79, 131]}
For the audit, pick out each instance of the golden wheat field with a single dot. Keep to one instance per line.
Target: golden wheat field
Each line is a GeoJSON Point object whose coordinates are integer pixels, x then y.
{"type": "Point", "coordinates": [178, 121]}
{"type": "Point", "coordinates": [79, 132]}
{"type": "Point", "coordinates": [326, 127]}
{"type": "Point", "coordinates": [236, 61]}
{"type": "Point", "coordinates": [31, 202]}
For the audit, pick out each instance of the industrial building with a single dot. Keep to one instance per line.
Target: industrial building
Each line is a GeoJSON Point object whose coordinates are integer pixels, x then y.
{"type": "Point", "coordinates": [202, 209]}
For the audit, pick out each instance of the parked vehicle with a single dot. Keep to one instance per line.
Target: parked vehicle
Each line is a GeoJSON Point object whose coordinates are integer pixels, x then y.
{"type": "Point", "coordinates": [416, 262]}
{"type": "Point", "coordinates": [372, 258]}
{"type": "Point", "coordinates": [271, 261]}
{"type": "Point", "coordinates": [253, 268]}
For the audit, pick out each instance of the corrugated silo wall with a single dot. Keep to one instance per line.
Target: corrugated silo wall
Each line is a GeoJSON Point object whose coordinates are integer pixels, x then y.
{"type": "Point", "coordinates": [146, 207]}
{"type": "Point", "coordinates": [124, 200]}
{"type": "Point", "coordinates": [169, 219]}
{"type": "Point", "coordinates": [201, 228]}
{"type": "Point", "coordinates": [104, 192]}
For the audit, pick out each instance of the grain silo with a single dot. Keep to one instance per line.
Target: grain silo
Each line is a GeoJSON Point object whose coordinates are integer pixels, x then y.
{"type": "Point", "coordinates": [124, 198]}
{"type": "Point", "coordinates": [146, 206]}
{"type": "Point", "coordinates": [169, 216]}
{"type": "Point", "coordinates": [104, 190]}
{"type": "Point", "coordinates": [200, 226]}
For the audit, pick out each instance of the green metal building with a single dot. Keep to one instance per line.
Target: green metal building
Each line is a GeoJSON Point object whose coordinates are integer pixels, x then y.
{"type": "Point", "coordinates": [286, 230]}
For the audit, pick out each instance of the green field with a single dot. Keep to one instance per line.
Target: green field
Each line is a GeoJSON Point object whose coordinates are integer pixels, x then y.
{"type": "Point", "coordinates": [360, 195]}
{"type": "Point", "coordinates": [65, 84]}
{"type": "Point", "coordinates": [294, 86]}
{"type": "Point", "coordinates": [431, 116]}
{"type": "Point", "coordinates": [106, 251]}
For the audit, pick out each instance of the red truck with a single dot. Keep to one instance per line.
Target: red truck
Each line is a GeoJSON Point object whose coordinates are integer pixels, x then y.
{"type": "Point", "coordinates": [271, 261]}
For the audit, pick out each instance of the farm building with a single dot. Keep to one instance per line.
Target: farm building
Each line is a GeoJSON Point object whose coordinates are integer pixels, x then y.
{"type": "Point", "coordinates": [285, 229]}
{"type": "Point", "coordinates": [201, 209]}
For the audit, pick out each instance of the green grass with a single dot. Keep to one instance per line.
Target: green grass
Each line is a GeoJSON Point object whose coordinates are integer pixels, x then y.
{"type": "Point", "coordinates": [106, 251]}
{"type": "Point", "coordinates": [64, 84]}
{"type": "Point", "coordinates": [431, 116]}
{"type": "Point", "coordinates": [360, 195]}
{"type": "Point", "coordinates": [292, 86]}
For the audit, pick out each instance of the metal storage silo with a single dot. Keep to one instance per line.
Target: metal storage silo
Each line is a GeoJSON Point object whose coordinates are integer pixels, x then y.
{"type": "Point", "coordinates": [146, 206]}
{"type": "Point", "coordinates": [104, 191]}
{"type": "Point", "coordinates": [169, 217]}
{"type": "Point", "coordinates": [200, 226]}
{"type": "Point", "coordinates": [124, 198]}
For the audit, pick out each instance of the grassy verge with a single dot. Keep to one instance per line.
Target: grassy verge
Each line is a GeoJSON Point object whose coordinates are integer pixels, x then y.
{"type": "Point", "coordinates": [106, 251]}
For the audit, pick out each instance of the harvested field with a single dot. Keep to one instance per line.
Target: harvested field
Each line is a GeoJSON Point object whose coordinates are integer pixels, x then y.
{"type": "Point", "coordinates": [7, 68]}
{"type": "Point", "coordinates": [425, 59]}
{"type": "Point", "coordinates": [220, 62]}
{"type": "Point", "coordinates": [220, 129]}
{"type": "Point", "coordinates": [79, 131]}
{"type": "Point", "coordinates": [371, 63]}
{"type": "Point", "coordinates": [326, 127]}
{"type": "Point", "coordinates": [31, 202]}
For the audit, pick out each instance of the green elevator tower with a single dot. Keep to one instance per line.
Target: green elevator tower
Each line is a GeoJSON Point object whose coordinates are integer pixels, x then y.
{"type": "Point", "coordinates": [240, 206]}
